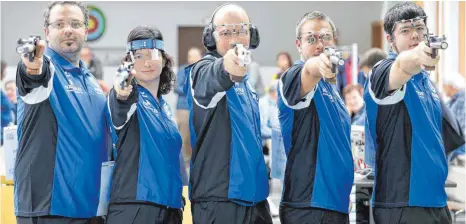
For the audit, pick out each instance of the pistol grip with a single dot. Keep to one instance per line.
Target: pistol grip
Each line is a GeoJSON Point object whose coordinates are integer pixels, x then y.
{"type": "Point", "coordinates": [434, 53]}
{"type": "Point", "coordinates": [31, 57]}
{"type": "Point", "coordinates": [334, 68]}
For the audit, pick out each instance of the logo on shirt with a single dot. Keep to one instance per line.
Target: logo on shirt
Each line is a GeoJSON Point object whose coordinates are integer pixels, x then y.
{"type": "Point", "coordinates": [326, 93]}
{"type": "Point", "coordinates": [149, 106]}
{"type": "Point", "coordinates": [434, 92]}
{"type": "Point", "coordinates": [420, 94]}
{"type": "Point", "coordinates": [73, 88]}
{"type": "Point", "coordinates": [69, 77]}
{"type": "Point", "coordinates": [239, 90]}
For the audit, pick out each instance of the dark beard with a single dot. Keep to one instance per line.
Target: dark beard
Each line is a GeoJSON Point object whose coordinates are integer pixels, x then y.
{"type": "Point", "coordinates": [72, 57]}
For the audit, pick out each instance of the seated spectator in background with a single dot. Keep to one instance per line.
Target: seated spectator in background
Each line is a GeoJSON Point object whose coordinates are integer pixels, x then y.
{"type": "Point", "coordinates": [454, 88]}
{"type": "Point", "coordinates": [5, 105]}
{"type": "Point", "coordinates": [10, 89]}
{"type": "Point", "coordinates": [355, 103]}
{"type": "Point", "coordinates": [92, 63]}
{"type": "Point", "coordinates": [370, 58]}
{"type": "Point", "coordinates": [284, 61]}
{"type": "Point", "coordinates": [182, 112]}
{"type": "Point", "coordinates": [345, 74]}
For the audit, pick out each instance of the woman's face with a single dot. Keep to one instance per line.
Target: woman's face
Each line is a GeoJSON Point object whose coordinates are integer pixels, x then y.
{"type": "Point", "coordinates": [283, 62]}
{"type": "Point", "coordinates": [148, 64]}
{"type": "Point", "coordinates": [354, 101]}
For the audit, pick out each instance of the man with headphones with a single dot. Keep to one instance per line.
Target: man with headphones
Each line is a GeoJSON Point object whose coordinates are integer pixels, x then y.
{"type": "Point", "coordinates": [409, 126]}
{"type": "Point", "coordinates": [315, 127]}
{"type": "Point", "coordinates": [228, 180]}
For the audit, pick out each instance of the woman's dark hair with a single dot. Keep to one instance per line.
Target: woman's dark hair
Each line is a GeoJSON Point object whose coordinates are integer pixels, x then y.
{"type": "Point", "coordinates": [167, 76]}
{"type": "Point", "coordinates": [400, 11]}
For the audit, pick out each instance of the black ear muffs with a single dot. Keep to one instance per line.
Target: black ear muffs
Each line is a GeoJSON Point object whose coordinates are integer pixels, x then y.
{"type": "Point", "coordinates": [208, 38]}
{"type": "Point", "coordinates": [254, 38]}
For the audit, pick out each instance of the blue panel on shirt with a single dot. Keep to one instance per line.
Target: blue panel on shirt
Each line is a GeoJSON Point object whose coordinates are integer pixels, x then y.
{"type": "Point", "coordinates": [159, 178]}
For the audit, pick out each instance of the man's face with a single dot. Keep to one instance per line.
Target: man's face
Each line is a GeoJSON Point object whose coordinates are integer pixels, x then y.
{"type": "Point", "coordinates": [194, 55]}
{"type": "Point", "coordinates": [407, 35]}
{"type": "Point", "coordinates": [230, 28]}
{"type": "Point", "coordinates": [314, 36]}
{"type": "Point", "coordinates": [86, 55]}
{"type": "Point", "coordinates": [283, 62]}
{"type": "Point", "coordinates": [449, 90]}
{"type": "Point", "coordinates": [66, 32]}
{"type": "Point", "coordinates": [273, 95]}
{"type": "Point", "coordinates": [10, 90]}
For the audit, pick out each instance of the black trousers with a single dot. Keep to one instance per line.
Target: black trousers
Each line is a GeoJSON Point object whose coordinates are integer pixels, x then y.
{"type": "Point", "coordinates": [291, 215]}
{"type": "Point", "coordinates": [57, 220]}
{"type": "Point", "coordinates": [218, 212]}
{"type": "Point", "coordinates": [141, 213]}
{"type": "Point", "coordinates": [412, 215]}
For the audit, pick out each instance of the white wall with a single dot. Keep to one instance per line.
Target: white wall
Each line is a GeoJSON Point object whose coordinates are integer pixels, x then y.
{"type": "Point", "coordinates": [276, 22]}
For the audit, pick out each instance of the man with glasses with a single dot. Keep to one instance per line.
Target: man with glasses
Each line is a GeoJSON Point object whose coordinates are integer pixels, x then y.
{"type": "Point", "coordinates": [228, 180]}
{"type": "Point", "coordinates": [315, 127]}
{"type": "Point", "coordinates": [409, 126]}
{"type": "Point", "coordinates": [61, 125]}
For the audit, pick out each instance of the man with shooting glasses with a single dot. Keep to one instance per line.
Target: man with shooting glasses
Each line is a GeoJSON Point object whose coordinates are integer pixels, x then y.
{"type": "Point", "coordinates": [411, 129]}
{"type": "Point", "coordinates": [228, 180]}
{"type": "Point", "coordinates": [315, 127]}
{"type": "Point", "coordinates": [62, 132]}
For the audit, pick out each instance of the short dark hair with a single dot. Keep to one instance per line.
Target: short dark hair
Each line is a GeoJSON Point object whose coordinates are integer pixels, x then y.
{"type": "Point", "coordinates": [400, 11]}
{"type": "Point", "coordinates": [76, 3]}
{"type": "Point", "coordinates": [3, 66]}
{"type": "Point", "coordinates": [3, 69]}
{"type": "Point", "coordinates": [315, 15]}
{"type": "Point", "coordinates": [10, 81]}
{"type": "Point", "coordinates": [167, 76]}
{"type": "Point", "coordinates": [287, 55]}
{"type": "Point", "coordinates": [371, 57]}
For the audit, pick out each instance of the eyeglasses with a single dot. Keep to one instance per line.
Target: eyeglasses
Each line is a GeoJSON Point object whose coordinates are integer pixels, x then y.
{"type": "Point", "coordinates": [147, 55]}
{"type": "Point", "coordinates": [407, 26]}
{"type": "Point", "coordinates": [225, 32]}
{"type": "Point", "coordinates": [60, 24]}
{"type": "Point", "coordinates": [313, 37]}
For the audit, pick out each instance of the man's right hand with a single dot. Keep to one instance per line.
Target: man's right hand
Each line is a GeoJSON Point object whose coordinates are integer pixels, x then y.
{"type": "Point", "coordinates": [325, 67]}
{"type": "Point", "coordinates": [424, 55]}
{"type": "Point", "coordinates": [35, 67]}
{"type": "Point", "coordinates": [231, 64]}
{"type": "Point", "coordinates": [123, 94]}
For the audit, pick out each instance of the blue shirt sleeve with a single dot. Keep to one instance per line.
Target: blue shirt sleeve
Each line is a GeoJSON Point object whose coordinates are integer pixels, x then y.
{"type": "Point", "coordinates": [120, 109]}
{"type": "Point", "coordinates": [379, 79]}
{"type": "Point", "coordinates": [209, 78]}
{"type": "Point", "coordinates": [291, 84]}
{"type": "Point", "coordinates": [180, 79]}
{"type": "Point", "coordinates": [26, 83]}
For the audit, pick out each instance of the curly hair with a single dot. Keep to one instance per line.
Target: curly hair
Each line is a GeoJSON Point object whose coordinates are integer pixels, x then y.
{"type": "Point", "coordinates": [167, 76]}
